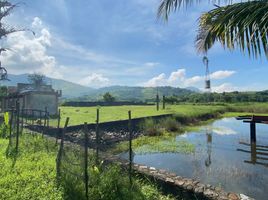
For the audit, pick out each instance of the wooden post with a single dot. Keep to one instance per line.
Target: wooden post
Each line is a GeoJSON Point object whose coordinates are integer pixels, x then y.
{"type": "Point", "coordinates": [86, 159]}
{"type": "Point", "coordinates": [157, 102]}
{"type": "Point", "coordinates": [22, 120]}
{"type": "Point", "coordinates": [11, 122]}
{"type": "Point", "coordinates": [59, 155]}
{"type": "Point", "coordinates": [130, 146]}
{"type": "Point", "coordinates": [252, 132]}
{"type": "Point", "coordinates": [97, 136]}
{"type": "Point", "coordinates": [164, 102]}
{"type": "Point", "coordinates": [58, 127]}
{"type": "Point", "coordinates": [18, 125]}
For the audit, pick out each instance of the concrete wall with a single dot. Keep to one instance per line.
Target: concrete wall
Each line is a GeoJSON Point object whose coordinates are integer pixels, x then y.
{"type": "Point", "coordinates": [40, 101]}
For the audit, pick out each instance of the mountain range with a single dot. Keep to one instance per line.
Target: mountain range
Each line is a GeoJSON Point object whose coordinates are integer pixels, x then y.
{"type": "Point", "coordinates": [75, 91]}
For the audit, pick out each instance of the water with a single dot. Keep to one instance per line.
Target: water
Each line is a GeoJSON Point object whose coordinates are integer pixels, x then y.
{"type": "Point", "coordinates": [221, 158]}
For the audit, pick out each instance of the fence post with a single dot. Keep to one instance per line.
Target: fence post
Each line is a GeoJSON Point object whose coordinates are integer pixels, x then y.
{"type": "Point", "coordinates": [17, 124]}
{"type": "Point", "coordinates": [22, 119]}
{"type": "Point", "coordinates": [59, 156]}
{"type": "Point", "coordinates": [11, 122]}
{"type": "Point", "coordinates": [97, 136]}
{"type": "Point", "coordinates": [58, 127]}
{"type": "Point", "coordinates": [164, 102]}
{"type": "Point", "coordinates": [130, 146]}
{"type": "Point", "coordinates": [86, 158]}
{"type": "Point", "coordinates": [157, 102]}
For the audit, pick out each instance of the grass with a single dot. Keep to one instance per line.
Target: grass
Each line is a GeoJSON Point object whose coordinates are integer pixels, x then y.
{"type": "Point", "coordinates": [31, 174]}
{"type": "Point", "coordinates": [165, 143]}
{"type": "Point", "coordinates": [79, 115]}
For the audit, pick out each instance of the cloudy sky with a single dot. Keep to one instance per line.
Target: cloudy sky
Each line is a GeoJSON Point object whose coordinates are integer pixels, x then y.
{"type": "Point", "coordinates": [102, 42]}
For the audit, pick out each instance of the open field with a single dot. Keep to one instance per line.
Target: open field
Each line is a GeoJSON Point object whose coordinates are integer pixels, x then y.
{"type": "Point", "coordinates": [79, 115]}
{"type": "Point", "coordinates": [31, 174]}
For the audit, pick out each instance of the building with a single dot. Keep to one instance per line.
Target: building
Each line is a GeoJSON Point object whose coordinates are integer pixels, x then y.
{"type": "Point", "coordinates": [31, 96]}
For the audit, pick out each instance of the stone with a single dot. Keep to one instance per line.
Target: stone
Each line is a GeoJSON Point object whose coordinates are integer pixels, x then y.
{"type": "Point", "coordinates": [152, 168]}
{"type": "Point", "coordinates": [195, 182]}
{"type": "Point", "coordinates": [172, 174]}
{"type": "Point", "coordinates": [169, 180]}
{"type": "Point", "coordinates": [179, 182]}
{"type": "Point", "coordinates": [189, 187]}
{"type": "Point", "coordinates": [208, 193]}
{"type": "Point", "coordinates": [233, 196]}
{"type": "Point", "coordinates": [162, 171]}
{"type": "Point", "coordinates": [245, 197]}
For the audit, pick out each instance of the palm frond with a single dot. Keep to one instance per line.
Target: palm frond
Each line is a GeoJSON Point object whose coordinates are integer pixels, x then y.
{"type": "Point", "coordinates": [168, 6]}
{"type": "Point", "coordinates": [243, 25]}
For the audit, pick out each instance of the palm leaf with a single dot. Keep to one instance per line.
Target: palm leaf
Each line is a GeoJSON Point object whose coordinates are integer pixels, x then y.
{"type": "Point", "coordinates": [243, 25]}
{"type": "Point", "coordinates": [168, 6]}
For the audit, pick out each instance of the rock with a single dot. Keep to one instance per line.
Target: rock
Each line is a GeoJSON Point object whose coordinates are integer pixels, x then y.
{"type": "Point", "coordinates": [208, 193]}
{"type": "Point", "coordinates": [245, 197]}
{"type": "Point", "coordinates": [179, 182]}
{"type": "Point", "coordinates": [233, 196]}
{"type": "Point", "coordinates": [189, 187]}
{"type": "Point", "coordinates": [152, 168]}
{"type": "Point", "coordinates": [169, 180]}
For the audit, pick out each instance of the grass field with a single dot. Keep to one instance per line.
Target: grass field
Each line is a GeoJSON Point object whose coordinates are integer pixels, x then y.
{"type": "Point", "coordinates": [79, 115]}
{"type": "Point", "coordinates": [31, 174]}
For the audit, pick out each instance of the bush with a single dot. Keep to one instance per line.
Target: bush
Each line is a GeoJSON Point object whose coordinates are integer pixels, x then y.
{"type": "Point", "coordinates": [170, 124]}
{"type": "Point", "coordinates": [151, 128]}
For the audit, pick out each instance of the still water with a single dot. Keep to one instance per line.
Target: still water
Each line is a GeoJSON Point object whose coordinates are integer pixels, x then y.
{"type": "Point", "coordinates": [223, 157]}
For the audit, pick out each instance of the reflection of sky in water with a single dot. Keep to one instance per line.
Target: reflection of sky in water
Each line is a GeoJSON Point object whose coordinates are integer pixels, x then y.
{"type": "Point", "coordinates": [216, 160]}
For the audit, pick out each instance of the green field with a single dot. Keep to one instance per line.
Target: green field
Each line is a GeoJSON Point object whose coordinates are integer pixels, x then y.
{"type": "Point", "coordinates": [79, 115]}
{"type": "Point", "coordinates": [31, 174]}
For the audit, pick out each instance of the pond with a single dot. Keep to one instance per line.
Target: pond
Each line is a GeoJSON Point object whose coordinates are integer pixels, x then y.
{"type": "Point", "coordinates": [222, 157]}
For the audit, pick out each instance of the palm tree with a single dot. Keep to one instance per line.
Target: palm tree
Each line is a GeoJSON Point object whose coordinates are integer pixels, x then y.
{"type": "Point", "coordinates": [240, 25]}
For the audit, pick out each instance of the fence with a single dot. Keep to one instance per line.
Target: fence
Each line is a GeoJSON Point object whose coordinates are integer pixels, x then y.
{"type": "Point", "coordinates": [17, 118]}
{"type": "Point", "coordinates": [74, 162]}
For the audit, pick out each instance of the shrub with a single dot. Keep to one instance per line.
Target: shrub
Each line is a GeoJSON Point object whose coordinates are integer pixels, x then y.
{"type": "Point", "coordinates": [170, 124]}
{"type": "Point", "coordinates": [151, 128]}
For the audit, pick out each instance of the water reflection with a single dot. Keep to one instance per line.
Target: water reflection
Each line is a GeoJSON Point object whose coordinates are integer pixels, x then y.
{"type": "Point", "coordinates": [258, 153]}
{"type": "Point", "coordinates": [223, 157]}
{"type": "Point", "coordinates": [209, 146]}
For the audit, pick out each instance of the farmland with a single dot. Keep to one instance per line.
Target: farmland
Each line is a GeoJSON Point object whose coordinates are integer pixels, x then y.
{"type": "Point", "coordinates": [79, 115]}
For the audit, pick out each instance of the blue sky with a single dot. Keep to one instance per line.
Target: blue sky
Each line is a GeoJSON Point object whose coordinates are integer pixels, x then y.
{"type": "Point", "coordinates": [101, 42]}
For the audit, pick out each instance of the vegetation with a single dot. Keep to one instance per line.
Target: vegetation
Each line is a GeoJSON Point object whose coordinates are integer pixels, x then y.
{"type": "Point", "coordinates": [107, 97]}
{"type": "Point", "coordinates": [38, 155]}
{"type": "Point", "coordinates": [239, 25]}
{"type": "Point", "coordinates": [184, 113]}
{"type": "Point", "coordinates": [225, 97]}
{"type": "Point", "coordinates": [37, 79]}
{"type": "Point", "coordinates": [164, 144]}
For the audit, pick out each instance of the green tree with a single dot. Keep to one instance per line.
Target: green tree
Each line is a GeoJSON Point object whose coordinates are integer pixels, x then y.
{"type": "Point", "coordinates": [107, 97]}
{"type": "Point", "coordinates": [37, 79]}
{"type": "Point", "coordinates": [240, 25]}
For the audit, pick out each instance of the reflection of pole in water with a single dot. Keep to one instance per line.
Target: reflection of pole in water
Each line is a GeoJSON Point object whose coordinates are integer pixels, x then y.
{"type": "Point", "coordinates": [209, 146]}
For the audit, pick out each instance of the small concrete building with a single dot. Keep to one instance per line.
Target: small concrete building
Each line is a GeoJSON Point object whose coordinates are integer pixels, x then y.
{"type": "Point", "coordinates": [32, 97]}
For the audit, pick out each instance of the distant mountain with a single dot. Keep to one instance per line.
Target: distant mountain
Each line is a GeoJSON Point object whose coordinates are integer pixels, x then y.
{"type": "Point", "coordinates": [69, 89]}
{"type": "Point", "coordinates": [126, 93]}
{"type": "Point", "coordinates": [78, 92]}
{"type": "Point", "coordinates": [194, 89]}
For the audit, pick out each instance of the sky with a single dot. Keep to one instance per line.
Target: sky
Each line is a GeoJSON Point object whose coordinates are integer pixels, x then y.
{"type": "Point", "coordinates": [100, 43]}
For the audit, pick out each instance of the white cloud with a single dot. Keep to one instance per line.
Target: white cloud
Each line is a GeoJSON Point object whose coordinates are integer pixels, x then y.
{"type": "Point", "coordinates": [159, 80]}
{"type": "Point", "coordinates": [177, 75]}
{"type": "Point", "coordinates": [194, 80]}
{"type": "Point", "coordinates": [225, 87]}
{"type": "Point", "coordinates": [178, 78]}
{"type": "Point", "coordinates": [221, 74]}
{"type": "Point", "coordinates": [94, 80]}
{"type": "Point", "coordinates": [151, 64]}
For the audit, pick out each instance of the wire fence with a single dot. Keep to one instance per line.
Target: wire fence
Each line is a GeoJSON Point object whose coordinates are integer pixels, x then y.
{"type": "Point", "coordinates": [74, 162]}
